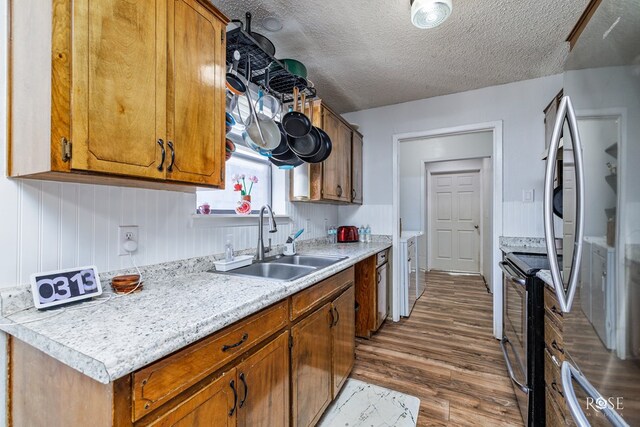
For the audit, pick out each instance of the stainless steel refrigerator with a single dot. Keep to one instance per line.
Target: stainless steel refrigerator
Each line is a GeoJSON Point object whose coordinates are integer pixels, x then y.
{"type": "Point", "coordinates": [595, 161]}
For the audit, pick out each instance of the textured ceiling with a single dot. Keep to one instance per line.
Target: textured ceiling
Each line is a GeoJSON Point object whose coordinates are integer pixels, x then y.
{"type": "Point", "coordinates": [366, 53]}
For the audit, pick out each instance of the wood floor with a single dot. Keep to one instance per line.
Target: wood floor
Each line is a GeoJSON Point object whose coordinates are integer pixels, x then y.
{"type": "Point", "coordinates": [444, 354]}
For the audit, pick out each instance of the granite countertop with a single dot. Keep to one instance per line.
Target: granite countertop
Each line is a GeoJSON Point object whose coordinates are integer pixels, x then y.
{"type": "Point", "coordinates": [545, 276]}
{"type": "Point", "coordinates": [110, 340]}
{"type": "Point", "coordinates": [408, 234]}
{"type": "Point", "coordinates": [531, 245]}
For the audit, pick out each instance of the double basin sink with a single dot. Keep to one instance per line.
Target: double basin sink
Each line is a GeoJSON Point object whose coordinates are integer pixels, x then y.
{"type": "Point", "coordinates": [285, 268]}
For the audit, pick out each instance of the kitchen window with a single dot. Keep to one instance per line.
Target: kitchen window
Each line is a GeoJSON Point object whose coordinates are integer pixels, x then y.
{"type": "Point", "coordinates": [243, 162]}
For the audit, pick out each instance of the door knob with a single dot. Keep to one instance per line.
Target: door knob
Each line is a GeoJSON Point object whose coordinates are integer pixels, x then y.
{"type": "Point", "coordinates": [475, 226]}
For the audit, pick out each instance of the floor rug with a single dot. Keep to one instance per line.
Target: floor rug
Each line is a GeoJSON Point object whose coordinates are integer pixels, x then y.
{"type": "Point", "coordinates": [360, 404]}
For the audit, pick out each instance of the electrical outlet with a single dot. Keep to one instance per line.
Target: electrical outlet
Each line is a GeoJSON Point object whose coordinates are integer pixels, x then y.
{"type": "Point", "coordinates": [126, 233]}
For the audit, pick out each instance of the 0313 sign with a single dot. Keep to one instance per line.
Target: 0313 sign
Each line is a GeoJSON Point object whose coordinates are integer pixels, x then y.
{"type": "Point", "coordinates": [53, 288]}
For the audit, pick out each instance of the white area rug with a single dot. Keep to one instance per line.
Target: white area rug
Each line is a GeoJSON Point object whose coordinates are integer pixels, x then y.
{"type": "Point", "coordinates": [360, 404]}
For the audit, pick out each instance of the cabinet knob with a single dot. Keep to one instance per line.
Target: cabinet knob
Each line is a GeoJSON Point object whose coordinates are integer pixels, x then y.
{"type": "Point", "coordinates": [339, 190]}
{"type": "Point", "coordinates": [353, 193]}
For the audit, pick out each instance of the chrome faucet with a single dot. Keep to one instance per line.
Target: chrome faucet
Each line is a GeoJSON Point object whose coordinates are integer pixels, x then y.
{"type": "Point", "coordinates": [272, 229]}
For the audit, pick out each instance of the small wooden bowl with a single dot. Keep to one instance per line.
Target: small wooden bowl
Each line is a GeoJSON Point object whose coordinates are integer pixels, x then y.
{"type": "Point", "coordinates": [126, 284]}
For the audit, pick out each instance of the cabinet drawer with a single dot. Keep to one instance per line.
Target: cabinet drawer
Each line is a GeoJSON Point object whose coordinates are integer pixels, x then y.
{"type": "Point", "coordinates": [382, 257]}
{"type": "Point", "coordinates": [553, 381]}
{"type": "Point", "coordinates": [552, 308]}
{"type": "Point", "coordinates": [304, 301]}
{"type": "Point", "coordinates": [163, 380]}
{"type": "Point", "coordinates": [553, 340]}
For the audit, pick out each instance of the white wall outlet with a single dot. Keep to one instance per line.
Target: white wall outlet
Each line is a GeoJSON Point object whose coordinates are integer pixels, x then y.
{"type": "Point", "coordinates": [528, 196]}
{"type": "Point", "coordinates": [126, 234]}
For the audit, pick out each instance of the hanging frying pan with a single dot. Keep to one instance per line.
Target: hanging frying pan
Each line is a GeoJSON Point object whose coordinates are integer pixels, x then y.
{"type": "Point", "coordinates": [325, 149]}
{"type": "Point", "coordinates": [295, 123]}
{"type": "Point", "coordinates": [262, 41]}
{"type": "Point", "coordinates": [234, 84]}
{"type": "Point", "coordinates": [557, 201]}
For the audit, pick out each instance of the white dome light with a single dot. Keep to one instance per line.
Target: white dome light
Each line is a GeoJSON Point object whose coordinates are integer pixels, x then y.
{"type": "Point", "coordinates": [430, 13]}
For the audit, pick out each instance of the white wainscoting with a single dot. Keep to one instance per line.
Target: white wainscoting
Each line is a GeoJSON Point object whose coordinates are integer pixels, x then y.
{"type": "Point", "coordinates": [50, 225]}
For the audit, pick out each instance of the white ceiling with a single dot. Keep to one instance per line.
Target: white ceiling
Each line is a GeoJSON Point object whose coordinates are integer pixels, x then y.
{"type": "Point", "coordinates": [366, 53]}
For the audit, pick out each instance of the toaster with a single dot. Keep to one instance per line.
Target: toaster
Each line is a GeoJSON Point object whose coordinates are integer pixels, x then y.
{"type": "Point", "coordinates": [347, 233]}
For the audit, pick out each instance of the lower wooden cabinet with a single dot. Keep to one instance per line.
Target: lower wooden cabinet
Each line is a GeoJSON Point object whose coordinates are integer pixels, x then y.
{"type": "Point", "coordinates": [211, 406]}
{"type": "Point", "coordinates": [281, 366]}
{"type": "Point", "coordinates": [311, 366]}
{"type": "Point", "coordinates": [371, 277]}
{"type": "Point", "coordinates": [263, 386]}
{"type": "Point", "coordinates": [322, 356]}
{"type": "Point", "coordinates": [343, 337]}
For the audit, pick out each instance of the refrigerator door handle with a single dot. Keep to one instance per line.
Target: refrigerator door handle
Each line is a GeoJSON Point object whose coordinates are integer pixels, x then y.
{"type": "Point", "coordinates": [565, 299]}
{"type": "Point", "coordinates": [570, 372]}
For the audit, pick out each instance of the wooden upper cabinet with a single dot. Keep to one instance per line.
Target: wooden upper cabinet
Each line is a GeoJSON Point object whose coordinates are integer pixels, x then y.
{"type": "Point", "coordinates": [331, 180]}
{"type": "Point", "coordinates": [196, 87]}
{"type": "Point", "coordinates": [126, 92]}
{"type": "Point", "coordinates": [118, 101]}
{"type": "Point", "coordinates": [356, 168]}
{"type": "Point", "coordinates": [336, 170]}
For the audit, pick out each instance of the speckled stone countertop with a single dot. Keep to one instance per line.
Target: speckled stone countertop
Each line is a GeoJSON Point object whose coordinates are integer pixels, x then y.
{"type": "Point", "coordinates": [112, 339]}
{"type": "Point", "coordinates": [532, 245]}
{"type": "Point", "coordinates": [545, 276]}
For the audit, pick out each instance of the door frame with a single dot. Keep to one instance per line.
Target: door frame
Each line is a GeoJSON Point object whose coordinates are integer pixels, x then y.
{"type": "Point", "coordinates": [496, 158]}
{"type": "Point", "coordinates": [425, 183]}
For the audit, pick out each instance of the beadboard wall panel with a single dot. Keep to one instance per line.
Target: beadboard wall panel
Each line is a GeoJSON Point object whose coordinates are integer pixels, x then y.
{"type": "Point", "coordinates": [52, 225]}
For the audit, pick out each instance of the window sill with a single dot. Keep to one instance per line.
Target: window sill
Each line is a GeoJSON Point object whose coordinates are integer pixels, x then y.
{"type": "Point", "coordinates": [232, 220]}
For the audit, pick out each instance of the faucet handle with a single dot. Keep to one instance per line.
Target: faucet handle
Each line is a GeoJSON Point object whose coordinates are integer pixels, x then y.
{"type": "Point", "coordinates": [268, 248]}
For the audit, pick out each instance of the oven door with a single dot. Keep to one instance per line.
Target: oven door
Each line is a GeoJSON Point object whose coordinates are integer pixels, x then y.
{"type": "Point", "coordinates": [514, 343]}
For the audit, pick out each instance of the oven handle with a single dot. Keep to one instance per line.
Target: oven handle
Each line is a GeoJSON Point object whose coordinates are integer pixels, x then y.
{"type": "Point", "coordinates": [565, 299]}
{"type": "Point", "coordinates": [570, 372]}
{"type": "Point", "coordinates": [511, 275]}
{"type": "Point", "coordinates": [523, 388]}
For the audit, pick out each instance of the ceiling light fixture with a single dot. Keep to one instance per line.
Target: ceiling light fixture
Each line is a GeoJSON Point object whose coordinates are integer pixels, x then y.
{"type": "Point", "coordinates": [271, 23]}
{"type": "Point", "coordinates": [430, 13]}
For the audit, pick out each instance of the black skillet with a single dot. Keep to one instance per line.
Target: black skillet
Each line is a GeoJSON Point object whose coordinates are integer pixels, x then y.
{"type": "Point", "coordinates": [325, 149]}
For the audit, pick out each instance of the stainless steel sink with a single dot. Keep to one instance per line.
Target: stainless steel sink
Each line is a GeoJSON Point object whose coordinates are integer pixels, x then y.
{"type": "Point", "coordinates": [273, 271]}
{"type": "Point", "coordinates": [284, 268]}
{"type": "Point", "coordinates": [308, 260]}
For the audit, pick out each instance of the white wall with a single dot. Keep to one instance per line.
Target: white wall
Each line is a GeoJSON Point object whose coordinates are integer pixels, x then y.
{"type": "Point", "coordinates": [519, 105]}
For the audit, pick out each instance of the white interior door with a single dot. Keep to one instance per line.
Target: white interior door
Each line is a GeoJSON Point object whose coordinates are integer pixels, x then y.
{"type": "Point", "coordinates": [454, 201]}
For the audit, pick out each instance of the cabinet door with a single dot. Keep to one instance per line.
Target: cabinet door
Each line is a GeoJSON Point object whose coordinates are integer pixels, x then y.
{"type": "Point", "coordinates": [212, 406]}
{"type": "Point", "coordinates": [311, 367]}
{"type": "Point", "coordinates": [119, 86]}
{"type": "Point", "coordinates": [264, 386]}
{"type": "Point", "coordinates": [343, 151]}
{"type": "Point", "coordinates": [356, 168]}
{"type": "Point", "coordinates": [196, 87]}
{"type": "Point", "coordinates": [336, 170]}
{"type": "Point", "coordinates": [343, 338]}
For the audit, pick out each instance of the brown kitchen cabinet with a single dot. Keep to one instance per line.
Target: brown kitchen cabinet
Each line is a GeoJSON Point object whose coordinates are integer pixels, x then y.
{"type": "Point", "coordinates": [323, 346]}
{"type": "Point", "coordinates": [370, 293]}
{"type": "Point", "coordinates": [129, 101]}
{"type": "Point", "coordinates": [343, 334]}
{"type": "Point", "coordinates": [311, 367]}
{"type": "Point", "coordinates": [356, 168]}
{"type": "Point", "coordinates": [339, 178]}
{"type": "Point", "coordinates": [250, 373]}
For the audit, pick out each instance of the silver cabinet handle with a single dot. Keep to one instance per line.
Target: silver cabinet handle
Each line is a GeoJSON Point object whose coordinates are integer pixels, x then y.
{"type": "Point", "coordinates": [570, 372]}
{"type": "Point", "coordinates": [511, 274]}
{"type": "Point", "coordinates": [564, 299]}
{"type": "Point", "coordinates": [522, 387]}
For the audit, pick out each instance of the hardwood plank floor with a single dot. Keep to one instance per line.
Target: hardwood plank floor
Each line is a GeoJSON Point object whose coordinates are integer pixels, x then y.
{"type": "Point", "coordinates": [444, 354]}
